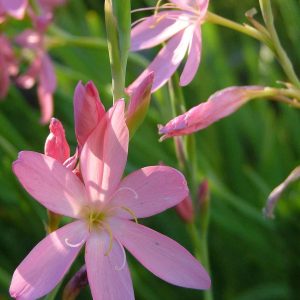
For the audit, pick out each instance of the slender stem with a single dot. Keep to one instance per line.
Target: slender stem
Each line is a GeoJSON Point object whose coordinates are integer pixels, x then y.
{"type": "Point", "coordinates": [243, 28]}
{"type": "Point", "coordinates": [201, 250]}
{"type": "Point", "coordinates": [278, 49]}
{"type": "Point", "coordinates": [188, 165]}
{"type": "Point", "coordinates": [60, 38]}
{"type": "Point", "coordinates": [280, 95]}
{"type": "Point", "coordinates": [117, 71]}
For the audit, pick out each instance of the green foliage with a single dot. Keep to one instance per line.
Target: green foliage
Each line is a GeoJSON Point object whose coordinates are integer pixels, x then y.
{"type": "Point", "coordinates": [243, 156]}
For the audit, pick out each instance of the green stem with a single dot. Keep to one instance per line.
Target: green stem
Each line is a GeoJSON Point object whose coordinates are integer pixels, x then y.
{"type": "Point", "coordinates": [243, 28]}
{"type": "Point", "coordinates": [60, 38]}
{"type": "Point", "coordinates": [117, 72]}
{"type": "Point", "coordinates": [280, 95]}
{"type": "Point", "coordinates": [188, 165]}
{"type": "Point", "coordinates": [281, 55]}
{"type": "Point", "coordinates": [201, 250]}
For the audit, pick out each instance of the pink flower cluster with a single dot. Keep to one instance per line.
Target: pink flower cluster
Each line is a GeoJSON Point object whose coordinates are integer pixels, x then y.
{"type": "Point", "coordinates": [104, 207]}
{"type": "Point", "coordinates": [41, 70]}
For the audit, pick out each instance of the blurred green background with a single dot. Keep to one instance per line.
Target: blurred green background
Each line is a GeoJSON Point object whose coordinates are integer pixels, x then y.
{"type": "Point", "coordinates": [243, 156]}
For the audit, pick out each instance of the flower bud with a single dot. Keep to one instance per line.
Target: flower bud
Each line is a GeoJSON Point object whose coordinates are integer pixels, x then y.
{"type": "Point", "coordinates": [204, 195]}
{"type": "Point", "coordinates": [88, 110]}
{"type": "Point", "coordinates": [56, 144]}
{"type": "Point", "coordinates": [185, 210]}
{"type": "Point", "coordinates": [218, 106]}
{"type": "Point", "coordinates": [139, 103]}
{"type": "Point", "coordinates": [77, 282]}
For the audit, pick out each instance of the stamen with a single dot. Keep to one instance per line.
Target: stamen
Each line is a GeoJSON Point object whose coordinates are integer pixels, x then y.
{"type": "Point", "coordinates": [138, 21]}
{"type": "Point", "coordinates": [157, 7]}
{"type": "Point", "coordinates": [129, 189]}
{"type": "Point", "coordinates": [124, 258]}
{"type": "Point", "coordinates": [111, 238]}
{"type": "Point", "coordinates": [131, 212]}
{"type": "Point", "coordinates": [74, 245]}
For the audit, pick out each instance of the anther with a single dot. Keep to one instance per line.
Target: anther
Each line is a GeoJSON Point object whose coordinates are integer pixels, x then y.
{"type": "Point", "coordinates": [124, 258]}
{"type": "Point", "coordinates": [131, 213]}
{"type": "Point", "coordinates": [76, 245]}
{"type": "Point", "coordinates": [111, 238]}
{"type": "Point", "coordinates": [129, 189]}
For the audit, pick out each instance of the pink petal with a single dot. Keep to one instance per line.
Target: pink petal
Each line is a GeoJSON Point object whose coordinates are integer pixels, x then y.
{"type": "Point", "coordinates": [203, 5]}
{"type": "Point", "coordinates": [185, 4]}
{"type": "Point", "coordinates": [48, 262]}
{"type": "Point", "coordinates": [115, 149]}
{"type": "Point", "coordinates": [185, 210]}
{"type": "Point", "coordinates": [56, 144]}
{"type": "Point", "coordinates": [104, 155]}
{"type": "Point", "coordinates": [193, 60]}
{"type": "Point", "coordinates": [50, 183]}
{"type": "Point", "coordinates": [29, 39]}
{"type": "Point", "coordinates": [167, 60]}
{"type": "Point", "coordinates": [218, 106]}
{"type": "Point", "coordinates": [4, 78]}
{"type": "Point", "coordinates": [27, 80]}
{"type": "Point", "coordinates": [88, 110]}
{"type": "Point", "coordinates": [275, 195]}
{"type": "Point", "coordinates": [149, 191]}
{"type": "Point", "coordinates": [108, 275]}
{"type": "Point", "coordinates": [15, 8]}
{"type": "Point", "coordinates": [47, 76]}
{"type": "Point", "coordinates": [195, 5]}
{"type": "Point", "coordinates": [162, 256]}
{"type": "Point", "coordinates": [158, 28]}
{"type": "Point", "coordinates": [46, 104]}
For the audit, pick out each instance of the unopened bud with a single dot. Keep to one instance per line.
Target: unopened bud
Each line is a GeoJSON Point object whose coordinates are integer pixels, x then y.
{"type": "Point", "coordinates": [77, 282]}
{"type": "Point", "coordinates": [203, 195]}
{"type": "Point", "coordinates": [185, 210]}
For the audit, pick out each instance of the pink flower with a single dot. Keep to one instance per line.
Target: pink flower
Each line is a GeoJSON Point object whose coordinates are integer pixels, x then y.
{"type": "Point", "coordinates": [218, 106]}
{"type": "Point", "coordinates": [8, 65]}
{"type": "Point", "coordinates": [13, 8]}
{"type": "Point", "coordinates": [185, 210]}
{"type": "Point", "coordinates": [104, 207]}
{"type": "Point", "coordinates": [41, 69]}
{"type": "Point", "coordinates": [182, 28]}
{"type": "Point", "coordinates": [139, 102]}
{"type": "Point", "coordinates": [88, 110]}
{"type": "Point", "coordinates": [56, 145]}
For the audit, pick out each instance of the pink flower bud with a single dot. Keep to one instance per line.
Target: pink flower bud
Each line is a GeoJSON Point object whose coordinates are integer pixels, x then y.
{"type": "Point", "coordinates": [139, 103]}
{"type": "Point", "coordinates": [185, 210]}
{"type": "Point", "coordinates": [56, 144]}
{"type": "Point", "coordinates": [204, 197]}
{"type": "Point", "coordinates": [74, 286]}
{"type": "Point", "coordinates": [218, 106]}
{"type": "Point", "coordinates": [88, 110]}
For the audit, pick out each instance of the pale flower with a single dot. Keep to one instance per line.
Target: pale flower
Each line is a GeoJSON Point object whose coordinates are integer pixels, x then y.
{"type": "Point", "coordinates": [179, 25]}
{"type": "Point", "coordinates": [218, 106]}
{"type": "Point", "coordinates": [105, 207]}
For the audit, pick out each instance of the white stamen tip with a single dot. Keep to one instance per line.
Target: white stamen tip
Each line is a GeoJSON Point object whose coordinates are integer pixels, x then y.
{"type": "Point", "coordinates": [124, 258]}
{"type": "Point", "coordinates": [129, 189]}
{"type": "Point", "coordinates": [74, 245]}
